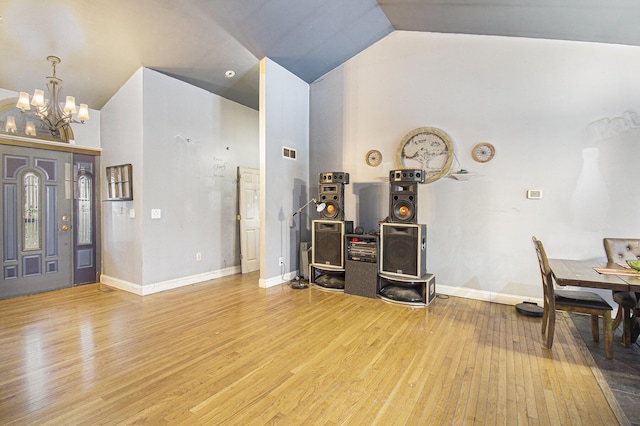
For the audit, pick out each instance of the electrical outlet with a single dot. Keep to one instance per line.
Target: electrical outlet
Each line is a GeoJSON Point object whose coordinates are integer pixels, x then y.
{"type": "Point", "coordinates": [281, 261]}
{"type": "Point", "coordinates": [198, 257]}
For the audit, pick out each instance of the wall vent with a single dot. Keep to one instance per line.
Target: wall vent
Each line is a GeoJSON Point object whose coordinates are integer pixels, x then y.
{"type": "Point", "coordinates": [289, 153]}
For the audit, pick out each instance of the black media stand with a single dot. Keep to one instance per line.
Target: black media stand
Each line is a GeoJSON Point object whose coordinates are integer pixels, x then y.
{"type": "Point", "coordinates": [361, 267]}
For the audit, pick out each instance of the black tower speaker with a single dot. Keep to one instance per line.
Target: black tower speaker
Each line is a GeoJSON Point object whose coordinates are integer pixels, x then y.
{"type": "Point", "coordinates": [403, 250]}
{"type": "Point", "coordinates": [403, 195]}
{"type": "Point", "coordinates": [331, 192]}
{"type": "Point", "coordinates": [327, 242]}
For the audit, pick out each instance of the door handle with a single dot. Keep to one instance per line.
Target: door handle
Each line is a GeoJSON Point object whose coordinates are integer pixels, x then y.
{"type": "Point", "coordinates": [64, 228]}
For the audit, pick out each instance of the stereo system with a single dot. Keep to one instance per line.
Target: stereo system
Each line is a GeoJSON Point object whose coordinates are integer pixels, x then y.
{"type": "Point", "coordinates": [331, 192]}
{"type": "Point", "coordinates": [362, 249]}
{"type": "Point", "coordinates": [393, 265]}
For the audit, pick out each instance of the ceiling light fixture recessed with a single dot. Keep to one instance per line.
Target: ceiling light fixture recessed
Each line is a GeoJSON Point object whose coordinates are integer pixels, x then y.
{"type": "Point", "coordinates": [230, 74]}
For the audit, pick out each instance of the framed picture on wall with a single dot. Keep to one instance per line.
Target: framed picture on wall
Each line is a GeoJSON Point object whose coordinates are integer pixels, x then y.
{"type": "Point", "coordinates": [119, 183]}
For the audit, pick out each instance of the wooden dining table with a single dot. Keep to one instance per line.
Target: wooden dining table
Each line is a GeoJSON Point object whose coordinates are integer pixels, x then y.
{"type": "Point", "coordinates": [583, 273]}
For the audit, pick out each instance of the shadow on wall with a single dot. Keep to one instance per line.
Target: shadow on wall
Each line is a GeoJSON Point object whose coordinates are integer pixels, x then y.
{"type": "Point", "coordinates": [372, 204]}
{"type": "Point", "coordinates": [298, 224]}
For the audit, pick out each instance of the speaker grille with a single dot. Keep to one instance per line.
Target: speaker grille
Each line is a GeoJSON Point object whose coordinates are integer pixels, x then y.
{"type": "Point", "coordinates": [328, 242]}
{"type": "Point", "coordinates": [400, 254]}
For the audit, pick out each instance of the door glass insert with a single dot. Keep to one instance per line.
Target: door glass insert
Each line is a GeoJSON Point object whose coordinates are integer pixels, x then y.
{"type": "Point", "coordinates": [31, 214]}
{"type": "Point", "coordinates": [84, 209]}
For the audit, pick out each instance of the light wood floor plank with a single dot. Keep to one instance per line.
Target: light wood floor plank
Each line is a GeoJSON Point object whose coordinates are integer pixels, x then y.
{"type": "Point", "coordinates": [229, 352]}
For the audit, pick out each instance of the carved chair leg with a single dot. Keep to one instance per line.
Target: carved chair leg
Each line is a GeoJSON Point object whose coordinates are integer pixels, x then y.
{"type": "Point", "coordinates": [626, 327]}
{"type": "Point", "coordinates": [551, 329]}
{"type": "Point", "coordinates": [545, 318]}
{"type": "Point", "coordinates": [595, 332]}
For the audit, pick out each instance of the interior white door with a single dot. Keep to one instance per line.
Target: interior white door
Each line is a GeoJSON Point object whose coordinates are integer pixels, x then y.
{"type": "Point", "coordinates": [249, 207]}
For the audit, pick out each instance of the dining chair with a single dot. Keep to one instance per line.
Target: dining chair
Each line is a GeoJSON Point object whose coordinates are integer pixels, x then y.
{"type": "Point", "coordinates": [620, 250]}
{"type": "Point", "coordinates": [586, 302]}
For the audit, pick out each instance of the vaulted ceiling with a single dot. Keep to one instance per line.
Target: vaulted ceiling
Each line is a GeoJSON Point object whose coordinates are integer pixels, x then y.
{"type": "Point", "coordinates": [103, 42]}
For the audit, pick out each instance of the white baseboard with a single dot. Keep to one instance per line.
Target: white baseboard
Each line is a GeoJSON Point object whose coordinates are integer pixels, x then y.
{"type": "Point", "coordinates": [143, 290]}
{"type": "Point", "coordinates": [486, 296]}
{"type": "Point", "coordinates": [274, 281]}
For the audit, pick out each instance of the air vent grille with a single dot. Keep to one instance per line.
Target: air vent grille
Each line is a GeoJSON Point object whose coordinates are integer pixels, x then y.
{"type": "Point", "coordinates": [289, 153]}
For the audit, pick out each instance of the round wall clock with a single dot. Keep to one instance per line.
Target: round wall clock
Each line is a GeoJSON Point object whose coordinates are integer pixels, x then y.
{"type": "Point", "coordinates": [483, 152]}
{"type": "Point", "coordinates": [373, 157]}
{"type": "Point", "coordinates": [426, 148]}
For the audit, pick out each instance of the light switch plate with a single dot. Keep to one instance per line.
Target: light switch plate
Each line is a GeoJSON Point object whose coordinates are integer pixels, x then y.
{"type": "Point", "coordinates": [132, 213]}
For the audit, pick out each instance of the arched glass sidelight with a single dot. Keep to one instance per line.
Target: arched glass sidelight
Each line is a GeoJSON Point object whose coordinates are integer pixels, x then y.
{"type": "Point", "coordinates": [85, 213]}
{"type": "Point", "coordinates": [32, 189]}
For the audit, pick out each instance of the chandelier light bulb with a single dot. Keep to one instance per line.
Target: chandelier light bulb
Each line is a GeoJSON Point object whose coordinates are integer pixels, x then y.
{"type": "Point", "coordinates": [70, 105]}
{"type": "Point", "coordinates": [11, 124]}
{"type": "Point", "coordinates": [23, 102]}
{"type": "Point", "coordinates": [38, 98]}
{"type": "Point", "coordinates": [30, 128]}
{"type": "Point", "coordinates": [83, 113]}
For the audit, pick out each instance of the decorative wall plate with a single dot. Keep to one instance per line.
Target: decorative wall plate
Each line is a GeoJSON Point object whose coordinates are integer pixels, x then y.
{"type": "Point", "coordinates": [483, 152]}
{"type": "Point", "coordinates": [373, 158]}
{"type": "Point", "coordinates": [426, 148]}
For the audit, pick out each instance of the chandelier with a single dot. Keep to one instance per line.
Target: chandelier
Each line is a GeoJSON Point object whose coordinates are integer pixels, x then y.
{"type": "Point", "coordinates": [52, 113]}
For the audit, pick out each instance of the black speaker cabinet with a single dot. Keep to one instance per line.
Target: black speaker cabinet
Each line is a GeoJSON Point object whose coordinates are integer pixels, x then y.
{"type": "Point", "coordinates": [406, 176]}
{"type": "Point", "coordinates": [403, 250]}
{"type": "Point", "coordinates": [415, 292]}
{"type": "Point", "coordinates": [403, 203]}
{"type": "Point", "coordinates": [333, 177]}
{"type": "Point", "coordinates": [327, 242]}
{"type": "Point", "coordinates": [361, 278]}
{"type": "Point", "coordinates": [332, 194]}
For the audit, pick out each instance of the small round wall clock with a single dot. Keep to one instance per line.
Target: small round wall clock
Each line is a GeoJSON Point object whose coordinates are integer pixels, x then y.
{"type": "Point", "coordinates": [373, 158]}
{"type": "Point", "coordinates": [483, 152]}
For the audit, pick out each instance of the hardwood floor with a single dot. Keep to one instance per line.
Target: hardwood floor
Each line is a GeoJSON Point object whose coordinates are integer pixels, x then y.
{"type": "Point", "coordinates": [229, 352]}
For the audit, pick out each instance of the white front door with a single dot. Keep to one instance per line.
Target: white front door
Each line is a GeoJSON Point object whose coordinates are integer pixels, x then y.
{"type": "Point", "coordinates": [249, 201]}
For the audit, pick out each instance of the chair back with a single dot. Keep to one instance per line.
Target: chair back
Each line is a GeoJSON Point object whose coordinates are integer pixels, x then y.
{"type": "Point", "coordinates": [621, 249]}
{"type": "Point", "coordinates": [545, 271]}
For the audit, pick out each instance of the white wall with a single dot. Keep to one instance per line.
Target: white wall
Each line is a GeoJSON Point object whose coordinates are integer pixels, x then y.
{"type": "Point", "coordinates": [284, 121]}
{"type": "Point", "coordinates": [122, 238]}
{"type": "Point", "coordinates": [185, 145]}
{"type": "Point", "coordinates": [536, 102]}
